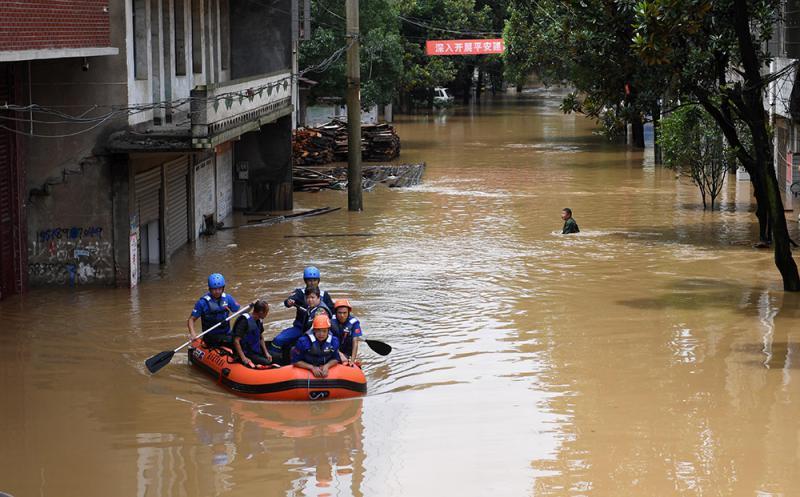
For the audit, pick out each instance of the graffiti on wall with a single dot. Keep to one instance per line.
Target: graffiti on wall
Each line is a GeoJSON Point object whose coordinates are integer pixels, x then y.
{"type": "Point", "coordinates": [73, 233]}
{"type": "Point", "coordinates": [71, 256]}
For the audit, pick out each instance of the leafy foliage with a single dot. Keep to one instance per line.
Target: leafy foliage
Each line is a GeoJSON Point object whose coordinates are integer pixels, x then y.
{"type": "Point", "coordinates": [393, 35]}
{"type": "Point", "coordinates": [588, 44]}
{"type": "Point", "coordinates": [693, 145]}
{"type": "Point", "coordinates": [381, 50]}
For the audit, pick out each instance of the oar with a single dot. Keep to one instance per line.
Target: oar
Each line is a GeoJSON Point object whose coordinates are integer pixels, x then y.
{"type": "Point", "coordinates": [380, 348]}
{"type": "Point", "coordinates": [161, 359]}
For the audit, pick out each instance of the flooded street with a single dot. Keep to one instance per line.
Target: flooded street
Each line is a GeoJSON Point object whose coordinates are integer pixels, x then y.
{"type": "Point", "coordinates": [652, 354]}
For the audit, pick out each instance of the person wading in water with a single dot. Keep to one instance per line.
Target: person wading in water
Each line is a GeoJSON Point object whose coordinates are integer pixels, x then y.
{"type": "Point", "coordinates": [570, 226]}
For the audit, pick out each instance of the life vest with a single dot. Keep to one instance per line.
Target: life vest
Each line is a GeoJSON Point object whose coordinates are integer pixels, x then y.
{"type": "Point", "coordinates": [344, 332]}
{"type": "Point", "coordinates": [216, 313]}
{"type": "Point", "coordinates": [299, 297]}
{"type": "Point", "coordinates": [313, 312]}
{"type": "Point", "coordinates": [251, 341]}
{"type": "Point", "coordinates": [320, 352]}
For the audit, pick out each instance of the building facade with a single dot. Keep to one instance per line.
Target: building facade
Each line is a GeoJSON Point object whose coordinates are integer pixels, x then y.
{"type": "Point", "coordinates": [783, 101]}
{"type": "Point", "coordinates": [130, 149]}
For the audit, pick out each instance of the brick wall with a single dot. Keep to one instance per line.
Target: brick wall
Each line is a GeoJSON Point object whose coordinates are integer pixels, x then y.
{"type": "Point", "coordinates": [53, 24]}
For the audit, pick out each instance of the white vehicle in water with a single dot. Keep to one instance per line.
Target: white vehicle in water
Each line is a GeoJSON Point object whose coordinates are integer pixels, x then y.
{"type": "Point", "coordinates": [441, 97]}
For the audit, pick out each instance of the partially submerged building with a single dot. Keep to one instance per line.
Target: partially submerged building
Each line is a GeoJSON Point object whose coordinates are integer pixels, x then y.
{"type": "Point", "coordinates": [139, 124]}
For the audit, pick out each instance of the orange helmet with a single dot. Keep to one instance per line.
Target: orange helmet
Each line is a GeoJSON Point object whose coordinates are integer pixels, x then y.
{"type": "Point", "coordinates": [342, 303]}
{"type": "Point", "coordinates": [321, 321]}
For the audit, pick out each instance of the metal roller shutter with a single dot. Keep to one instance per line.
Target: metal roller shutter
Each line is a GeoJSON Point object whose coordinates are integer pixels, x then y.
{"type": "Point", "coordinates": [177, 216]}
{"type": "Point", "coordinates": [6, 213]}
{"type": "Point", "coordinates": [13, 243]}
{"type": "Point", "coordinates": [148, 185]}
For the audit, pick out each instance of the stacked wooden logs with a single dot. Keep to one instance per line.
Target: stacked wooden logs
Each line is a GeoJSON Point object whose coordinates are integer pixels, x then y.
{"type": "Point", "coordinates": [382, 142]}
{"type": "Point", "coordinates": [329, 142]}
{"type": "Point", "coordinates": [311, 146]}
{"type": "Point", "coordinates": [308, 179]}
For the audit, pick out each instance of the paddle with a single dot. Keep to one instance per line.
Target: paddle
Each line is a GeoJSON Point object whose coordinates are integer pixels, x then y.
{"type": "Point", "coordinates": [380, 348]}
{"type": "Point", "coordinates": [161, 359]}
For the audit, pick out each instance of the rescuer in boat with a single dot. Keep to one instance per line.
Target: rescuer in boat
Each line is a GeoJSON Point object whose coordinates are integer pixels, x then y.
{"type": "Point", "coordinates": [319, 351]}
{"type": "Point", "coordinates": [347, 329]}
{"type": "Point", "coordinates": [308, 301]}
{"type": "Point", "coordinates": [570, 226]}
{"type": "Point", "coordinates": [248, 341]}
{"type": "Point", "coordinates": [212, 308]}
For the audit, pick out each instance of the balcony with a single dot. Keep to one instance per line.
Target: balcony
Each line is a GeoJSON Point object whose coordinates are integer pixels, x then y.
{"type": "Point", "coordinates": [223, 111]}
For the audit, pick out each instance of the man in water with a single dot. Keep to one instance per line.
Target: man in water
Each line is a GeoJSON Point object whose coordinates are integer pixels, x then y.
{"type": "Point", "coordinates": [570, 226]}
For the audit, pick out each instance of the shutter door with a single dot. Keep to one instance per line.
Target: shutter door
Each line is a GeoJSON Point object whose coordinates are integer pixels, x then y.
{"type": "Point", "coordinates": [177, 225]}
{"type": "Point", "coordinates": [148, 185]}
{"type": "Point", "coordinates": [7, 200]}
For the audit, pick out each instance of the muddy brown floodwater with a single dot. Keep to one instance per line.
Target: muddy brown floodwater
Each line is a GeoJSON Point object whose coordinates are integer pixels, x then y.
{"type": "Point", "coordinates": [653, 354]}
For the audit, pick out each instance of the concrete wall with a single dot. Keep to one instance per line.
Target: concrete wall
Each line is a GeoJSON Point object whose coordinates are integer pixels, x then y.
{"type": "Point", "coordinates": [224, 182]}
{"type": "Point", "coordinates": [268, 153]}
{"type": "Point", "coordinates": [159, 76]}
{"type": "Point", "coordinates": [261, 37]}
{"type": "Point", "coordinates": [69, 232]}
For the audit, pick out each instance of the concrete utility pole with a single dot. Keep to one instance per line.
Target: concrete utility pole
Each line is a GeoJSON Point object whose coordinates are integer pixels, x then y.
{"type": "Point", "coordinates": [354, 201]}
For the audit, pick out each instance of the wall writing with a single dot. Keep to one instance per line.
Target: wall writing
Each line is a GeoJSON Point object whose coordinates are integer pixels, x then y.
{"type": "Point", "coordinates": [73, 233]}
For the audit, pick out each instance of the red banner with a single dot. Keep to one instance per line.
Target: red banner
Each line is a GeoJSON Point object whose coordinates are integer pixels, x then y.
{"type": "Point", "coordinates": [464, 47]}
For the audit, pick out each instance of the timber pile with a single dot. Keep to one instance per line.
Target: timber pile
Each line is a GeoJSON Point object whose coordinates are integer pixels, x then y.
{"type": "Point", "coordinates": [307, 179]}
{"type": "Point", "coordinates": [326, 143]}
{"type": "Point", "coordinates": [312, 146]}
{"type": "Point", "coordinates": [382, 142]}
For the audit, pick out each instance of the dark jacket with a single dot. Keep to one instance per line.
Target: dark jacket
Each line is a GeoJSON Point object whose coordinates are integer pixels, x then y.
{"type": "Point", "coordinates": [299, 297]}
{"type": "Point", "coordinates": [570, 226]}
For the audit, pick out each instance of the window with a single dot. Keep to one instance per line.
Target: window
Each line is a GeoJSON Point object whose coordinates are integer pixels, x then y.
{"type": "Point", "coordinates": [179, 18]}
{"type": "Point", "coordinates": [225, 32]}
{"type": "Point", "coordinates": [197, 36]}
{"type": "Point", "coordinates": [140, 36]}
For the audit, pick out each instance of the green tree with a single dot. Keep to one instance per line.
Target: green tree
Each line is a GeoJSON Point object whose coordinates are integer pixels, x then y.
{"type": "Point", "coordinates": [381, 50]}
{"type": "Point", "coordinates": [693, 145]}
{"type": "Point", "coordinates": [588, 44]}
{"type": "Point", "coordinates": [423, 20]}
{"type": "Point", "coordinates": [714, 52]}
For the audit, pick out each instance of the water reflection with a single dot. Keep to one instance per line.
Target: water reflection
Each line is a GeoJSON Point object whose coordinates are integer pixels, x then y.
{"type": "Point", "coordinates": [242, 446]}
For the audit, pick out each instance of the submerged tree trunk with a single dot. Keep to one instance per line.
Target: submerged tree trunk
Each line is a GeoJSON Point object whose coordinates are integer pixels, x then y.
{"type": "Point", "coordinates": [637, 131]}
{"type": "Point", "coordinates": [751, 106]}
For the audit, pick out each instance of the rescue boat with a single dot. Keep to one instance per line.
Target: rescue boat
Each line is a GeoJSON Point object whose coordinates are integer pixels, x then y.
{"type": "Point", "coordinates": [276, 383]}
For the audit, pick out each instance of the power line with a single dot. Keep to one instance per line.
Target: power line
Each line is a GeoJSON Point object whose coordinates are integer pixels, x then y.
{"type": "Point", "coordinates": [444, 30]}
{"type": "Point", "coordinates": [127, 111]}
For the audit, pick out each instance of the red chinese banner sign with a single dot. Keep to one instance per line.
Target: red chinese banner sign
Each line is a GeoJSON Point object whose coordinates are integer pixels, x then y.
{"type": "Point", "coordinates": [464, 47]}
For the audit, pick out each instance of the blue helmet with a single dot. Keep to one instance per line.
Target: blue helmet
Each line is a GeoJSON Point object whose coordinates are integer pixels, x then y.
{"type": "Point", "coordinates": [311, 273]}
{"type": "Point", "coordinates": [216, 280]}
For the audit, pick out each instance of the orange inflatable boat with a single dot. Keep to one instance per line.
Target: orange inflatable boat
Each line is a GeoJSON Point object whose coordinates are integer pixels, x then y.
{"type": "Point", "coordinates": [276, 383]}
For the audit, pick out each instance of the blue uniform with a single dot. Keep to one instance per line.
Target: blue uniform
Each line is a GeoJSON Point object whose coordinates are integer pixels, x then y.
{"type": "Point", "coordinates": [250, 330]}
{"type": "Point", "coordinates": [314, 352]}
{"type": "Point", "coordinates": [286, 338]}
{"type": "Point", "coordinates": [346, 333]}
{"type": "Point", "coordinates": [299, 297]}
{"type": "Point", "coordinates": [212, 311]}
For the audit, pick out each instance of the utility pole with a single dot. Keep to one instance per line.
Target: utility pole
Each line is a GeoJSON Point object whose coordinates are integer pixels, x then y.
{"type": "Point", "coordinates": [354, 200]}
